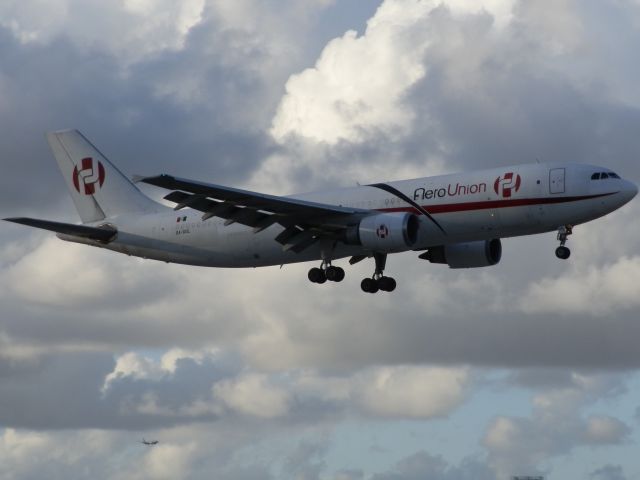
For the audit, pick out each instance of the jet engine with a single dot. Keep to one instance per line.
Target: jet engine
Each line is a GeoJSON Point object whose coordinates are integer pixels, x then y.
{"type": "Point", "coordinates": [482, 253]}
{"type": "Point", "coordinates": [385, 232]}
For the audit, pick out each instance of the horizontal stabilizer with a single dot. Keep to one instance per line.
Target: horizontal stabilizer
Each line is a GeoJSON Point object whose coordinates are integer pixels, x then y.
{"type": "Point", "coordinates": [101, 234]}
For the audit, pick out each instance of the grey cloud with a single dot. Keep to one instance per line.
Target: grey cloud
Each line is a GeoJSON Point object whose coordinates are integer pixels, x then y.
{"type": "Point", "coordinates": [165, 306]}
{"type": "Point", "coordinates": [58, 392]}
{"type": "Point", "coordinates": [65, 391]}
{"type": "Point", "coordinates": [423, 465]}
{"type": "Point", "coordinates": [202, 109]}
{"type": "Point", "coordinates": [514, 108]}
{"type": "Point", "coordinates": [501, 96]}
{"type": "Point", "coordinates": [203, 112]}
{"type": "Point", "coordinates": [306, 461]}
{"type": "Point", "coordinates": [608, 472]}
{"type": "Point", "coordinates": [555, 427]}
{"type": "Point", "coordinates": [139, 131]}
{"type": "Point", "coordinates": [349, 475]}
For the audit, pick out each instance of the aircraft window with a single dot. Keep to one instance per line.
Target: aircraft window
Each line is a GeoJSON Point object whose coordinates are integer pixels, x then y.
{"type": "Point", "coordinates": [613, 175]}
{"type": "Point", "coordinates": [604, 175]}
{"type": "Point", "coordinates": [595, 176]}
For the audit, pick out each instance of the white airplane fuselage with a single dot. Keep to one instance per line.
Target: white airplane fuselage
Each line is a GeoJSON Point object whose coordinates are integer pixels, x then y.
{"type": "Point", "coordinates": [471, 206]}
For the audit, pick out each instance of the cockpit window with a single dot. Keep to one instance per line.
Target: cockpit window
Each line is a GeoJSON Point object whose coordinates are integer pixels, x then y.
{"type": "Point", "coordinates": [602, 175]}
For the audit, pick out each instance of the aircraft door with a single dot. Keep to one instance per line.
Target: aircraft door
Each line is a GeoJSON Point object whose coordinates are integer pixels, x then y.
{"type": "Point", "coordinates": [556, 180]}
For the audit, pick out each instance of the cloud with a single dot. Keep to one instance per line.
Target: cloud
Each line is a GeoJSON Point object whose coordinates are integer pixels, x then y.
{"type": "Point", "coordinates": [54, 276]}
{"type": "Point", "coordinates": [556, 427]}
{"type": "Point", "coordinates": [137, 29]}
{"type": "Point", "coordinates": [598, 290]}
{"type": "Point", "coordinates": [605, 430]}
{"type": "Point", "coordinates": [150, 89]}
{"type": "Point", "coordinates": [169, 461]}
{"type": "Point", "coordinates": [26, 454]}
{"type": "Point", "coordinates": [216, 363]}
{"type": "Point", "coordinates": [422, 465]}
{"type": "Point", "coordinates": [358, 85]}
{"type": "Point", "coordinates": [252, 395]}
{"type": "Point", "coordinates": [608, 472]}
{"type": "Point", "coordinates": [413, 391]}
{"type": "Point", "coordinates": [138, 367]}
{"type": "Point", "coordinates": [413, 93]}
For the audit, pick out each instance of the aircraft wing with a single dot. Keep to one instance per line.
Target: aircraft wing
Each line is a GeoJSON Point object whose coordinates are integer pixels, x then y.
{"type": "Point", "coordinates": [304, 221]}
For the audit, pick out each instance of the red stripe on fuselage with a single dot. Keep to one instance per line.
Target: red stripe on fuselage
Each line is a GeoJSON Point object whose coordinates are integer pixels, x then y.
{"type": "Point", "coordinates": [491, 204]}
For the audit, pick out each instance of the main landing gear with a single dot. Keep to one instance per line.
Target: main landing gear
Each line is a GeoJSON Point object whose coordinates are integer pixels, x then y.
{"type": "Point", "coordinates": [563, 252]}
{"type": "Point", "coordinates": [326, 272]}
{"type": "Point", "coordinates": [379, 281]}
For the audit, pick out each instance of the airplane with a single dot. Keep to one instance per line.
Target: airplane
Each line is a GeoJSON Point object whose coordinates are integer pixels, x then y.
{"type": "Point", "coordinates": [147, 442]}
{"type": "Point", "coordinates": [457, 220]}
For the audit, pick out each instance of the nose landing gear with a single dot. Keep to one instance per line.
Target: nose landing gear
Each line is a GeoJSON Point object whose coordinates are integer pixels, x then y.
{"type": "Point", "coordinates": [563, 252]}
{"type": "Point", "coordinates": [378, 281]}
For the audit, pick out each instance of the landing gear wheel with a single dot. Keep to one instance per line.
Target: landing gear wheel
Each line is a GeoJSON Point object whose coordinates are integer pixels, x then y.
{"type": "Point", "coordinates": [379, 281]}
{"type": "Point", "coordinates": [317, 275]}
{"type": "Point", "coordinates": [387, 284]}
{"type": "Point", "coordinates": [369, 285]}
{"type": "Point", "coordinates": [563, 252]}
{"type": "Point", "coordinates": [334, 274]}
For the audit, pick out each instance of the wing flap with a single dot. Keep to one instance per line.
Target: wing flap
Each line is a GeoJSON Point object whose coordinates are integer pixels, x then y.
{"type": "Point", "coordinates": [300, 241]}
{"type": "Point", "coordinates": [222, 209]}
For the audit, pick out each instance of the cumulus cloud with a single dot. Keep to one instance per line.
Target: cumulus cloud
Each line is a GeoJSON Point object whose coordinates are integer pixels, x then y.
{"type": "Point", "coordinates": [252, 395]}
{"type": "Point", "coordinates": [217, 361]}
{"type": "Point", "coordinates": [358, 84]}
{"type": "Point", "coordinates": [412, 93]}
{"type": "Point", "coordinates": [608, 472]}
{"type": "Point", "coordinates": [168, 461]}
{"type": "Point", "coordinates": [26, 454]}
{"type": "Point", "coordinates": [556, 427]}
{"type": "Point", "coordinates": [182, 452]}
{"type": "Point", "coordinates": [132, 30]}
{"type": "Point", "coordinates": [414, 391]}
{"type": "Point", "coordinates": [424, 465]}
{"type": "Point", "coordinates": [594, 292]}
{"type": "Point", "coordinates": [55, 276]}
{"type": "Point", "coordinates": [382, 392]}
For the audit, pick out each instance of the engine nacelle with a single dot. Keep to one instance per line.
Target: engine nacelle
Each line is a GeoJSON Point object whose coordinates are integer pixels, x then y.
{"type": "Point", "coordinates": [385, 232]}
{"type": "Point", "coordinates": [482, 253]}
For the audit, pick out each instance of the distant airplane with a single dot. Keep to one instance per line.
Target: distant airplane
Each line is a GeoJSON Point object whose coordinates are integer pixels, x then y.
{"type": "Point", "coordinates": [456, 219]}
{"type": "Point", "coordinates": [146, 442]}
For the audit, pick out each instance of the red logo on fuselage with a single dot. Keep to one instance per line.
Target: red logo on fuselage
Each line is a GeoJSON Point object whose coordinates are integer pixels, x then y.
{"type": "Point", "coordinates": [507, 184]}
{"type": "Point", "coordinates": [88, 176]}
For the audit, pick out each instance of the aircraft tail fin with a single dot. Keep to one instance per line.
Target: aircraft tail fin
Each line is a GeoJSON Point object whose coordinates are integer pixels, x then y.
{"type": "Point", "coordinates": [99, 190]}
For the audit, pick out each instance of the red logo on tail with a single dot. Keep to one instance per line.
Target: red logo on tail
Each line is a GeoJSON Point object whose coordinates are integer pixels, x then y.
{"type": "Point", "coordinates": [89, 177]}
{"type": "Point", "coordinates": [507, 184]}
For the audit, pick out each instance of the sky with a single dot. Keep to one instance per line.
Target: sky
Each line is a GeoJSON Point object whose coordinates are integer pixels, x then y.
{"type": "Point", "coordinates": [529, 367]}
